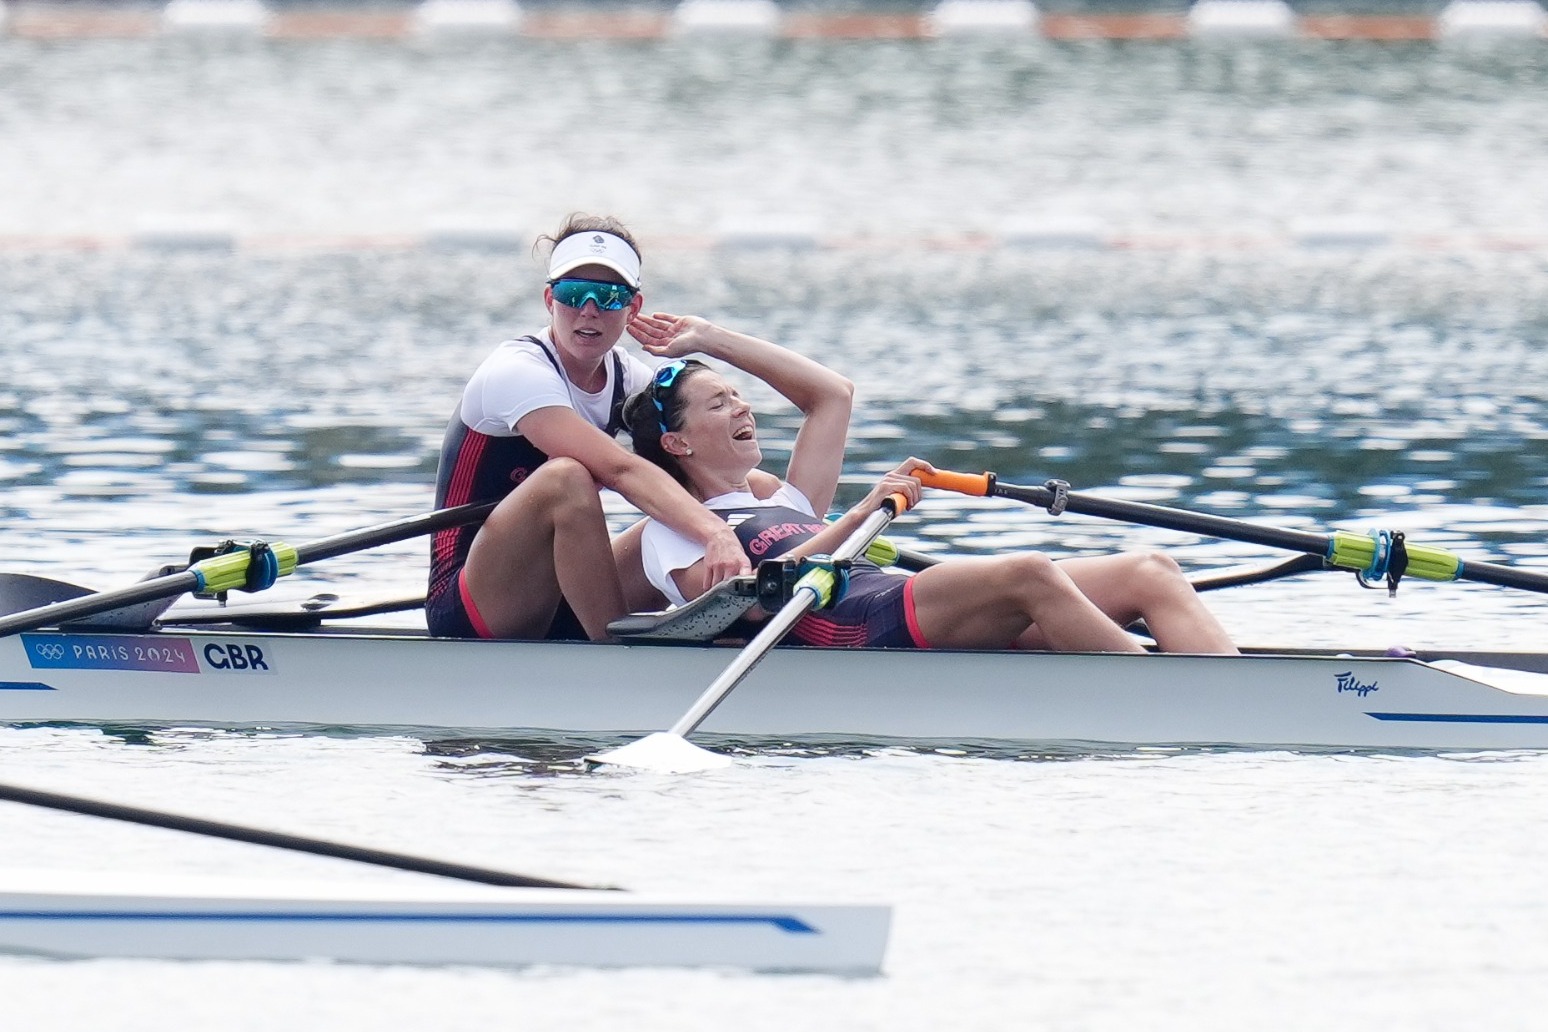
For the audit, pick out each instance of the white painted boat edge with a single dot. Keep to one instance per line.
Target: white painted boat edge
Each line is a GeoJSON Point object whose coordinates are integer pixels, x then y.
{"type": "Point", "coordinates": [67, 915]}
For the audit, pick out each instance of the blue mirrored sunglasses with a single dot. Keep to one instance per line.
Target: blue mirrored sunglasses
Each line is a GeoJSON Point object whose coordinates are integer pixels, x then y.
{"type": "Point", "coordinates": [664, 379]}
{"type": "Point", "coordinates": [574, 293]}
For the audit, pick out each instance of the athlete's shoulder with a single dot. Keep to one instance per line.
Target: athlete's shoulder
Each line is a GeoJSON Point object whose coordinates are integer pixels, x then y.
{"type": "Point", "coordinates": [515, 379]}
{"type": "Point", "coordinates": [521, 349]}
{"type": "Point", "coordinates": [764, 484]}
{"type": "Point", "coordinates": [636, 372]}
{"type": "Point", "coordinates": [792, 496]}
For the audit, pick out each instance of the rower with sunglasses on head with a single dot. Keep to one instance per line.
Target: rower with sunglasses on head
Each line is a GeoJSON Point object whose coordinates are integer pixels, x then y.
{"type": "Point", "coordinates": [694, 424]}
{"type": "Point", "coordinates": [534, 431]}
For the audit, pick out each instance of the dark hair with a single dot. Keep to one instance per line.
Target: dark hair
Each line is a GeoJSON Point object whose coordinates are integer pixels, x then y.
{"type": "Point", "coordinates": [580, 222]}
{"type": "Point", "coordinates": [644, 420]}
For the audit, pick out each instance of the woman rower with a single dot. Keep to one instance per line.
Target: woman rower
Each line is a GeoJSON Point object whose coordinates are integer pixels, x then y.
{"type": "Point", "coordinates": [696, 426]}
{"type": "Point", "coordinates": [534, 432]}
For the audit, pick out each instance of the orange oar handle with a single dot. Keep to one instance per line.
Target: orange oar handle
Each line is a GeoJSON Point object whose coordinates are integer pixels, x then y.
{"type": "Point", "coordinates": [978, 484]}
{"type": "Point", "coordinates": [896, 503]}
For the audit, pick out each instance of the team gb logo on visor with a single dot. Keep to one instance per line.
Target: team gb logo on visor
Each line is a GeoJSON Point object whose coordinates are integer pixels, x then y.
{"type": "Point", "coordinates": [598, 244]}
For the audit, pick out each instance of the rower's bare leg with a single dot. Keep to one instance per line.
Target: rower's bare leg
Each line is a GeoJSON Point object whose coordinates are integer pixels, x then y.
{"type": "Point", "coordinates": [1150, 586]}
{"type": "Point", "coordinates": [546, 538]}
{"type": "Point", "coordinates": [639, 594]}
{"type": "Point", "coordinates": [991, 602]}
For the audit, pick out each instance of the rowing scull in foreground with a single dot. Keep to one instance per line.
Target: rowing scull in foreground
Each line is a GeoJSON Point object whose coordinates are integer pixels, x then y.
{"type": "Point", "coordinates": [465, 915]}
{"type": "Point", "coordinates": [98, 915]}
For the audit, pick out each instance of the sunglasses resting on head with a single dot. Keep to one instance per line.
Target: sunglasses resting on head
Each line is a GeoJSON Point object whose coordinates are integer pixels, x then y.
{"type": "Point", "coordinates": [661, 382]}
{"type": "Point", "coordinates": [574, 293]}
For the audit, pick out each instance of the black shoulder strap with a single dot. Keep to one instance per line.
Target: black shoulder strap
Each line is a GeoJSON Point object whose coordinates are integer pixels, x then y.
{"type": "Point", "coordinates": [553, 359]}
{"type": "Point", "coordinates": [615, 419]}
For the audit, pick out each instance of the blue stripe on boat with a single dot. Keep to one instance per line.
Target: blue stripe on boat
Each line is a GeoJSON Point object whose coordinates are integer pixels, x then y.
{"type": "Point", "coordinates": [25, 686]}
{"type": "Point", "coordinates": [784, 922]}
{"type": "Point", "coordinates": [1463, 718]}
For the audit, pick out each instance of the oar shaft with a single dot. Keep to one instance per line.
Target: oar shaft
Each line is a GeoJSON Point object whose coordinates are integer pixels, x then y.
{"type": "Point", "coordinates": [1424, 561]}
{"type": "Point", "coordinates": [90, 605]}
{"type": "Point", "coordinates": [390, 533]}
{"type": "Point", "coordinates": [1502, 576]}
{"type": "Point", "coordinates": [179, 583]}
{"type": "Point", "coordinates": [780, 623]}
{"type": "Point", "coordinates": [279, 840]}
{"type": "Point", "coordinates": [1170, 519]}
{"type": "Point", "coordinates": [762, 644]}
{"type": "Point", "coordinates": [1271, 537]}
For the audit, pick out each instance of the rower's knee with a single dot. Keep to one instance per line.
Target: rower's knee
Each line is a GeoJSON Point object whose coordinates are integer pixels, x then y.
{"type": "Point", "coordinates": [1031, 578]}
{"type": "Point", "coordinates": [1029, 566]}
{"type": "Point", "coordinates": [1155, 565]}
{"type": "Point", "coordinates": [561, 484]}
{"type": "Point", "coordinates": [1154, 574]}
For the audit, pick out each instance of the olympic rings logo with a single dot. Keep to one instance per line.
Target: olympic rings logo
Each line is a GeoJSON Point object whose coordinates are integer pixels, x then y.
{"type": "Point", "coordinates": [49, 650]}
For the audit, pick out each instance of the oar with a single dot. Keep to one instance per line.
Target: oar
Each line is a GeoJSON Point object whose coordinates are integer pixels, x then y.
{"type": "Point", "coordinates": [279, 840]}
{"type": "Point", "coordinates": [231, 570]}
{"type": "Point", "coordinates": [912, 561]}
{"type": "Point", "coordinates": [670, 751]}
{"type": "Point", "coordinates": [1202, 580]}
{"type": "Point", "coordinates": [1375, 555]}
{"type": "Point", "coordinates": [1236, 576]}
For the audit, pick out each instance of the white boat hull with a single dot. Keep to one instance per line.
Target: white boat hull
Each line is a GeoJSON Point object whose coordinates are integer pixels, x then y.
{"type": "Point", "coordinates": [371, 681]}
{"type": "Point", "coordinates": [75, 916]}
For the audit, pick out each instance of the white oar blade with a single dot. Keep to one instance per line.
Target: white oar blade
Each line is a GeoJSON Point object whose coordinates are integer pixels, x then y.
{"type": "Point", "coordinates": [663, 752]}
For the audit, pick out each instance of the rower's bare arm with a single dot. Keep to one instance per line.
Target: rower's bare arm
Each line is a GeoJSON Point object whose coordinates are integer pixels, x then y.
{"type": "Point", "coordinates": [691, 580]}
{"type": "Point", "coordinates": [901, 480]}
{"type": "Point", "coordinates": [824, 397]}
{"type": "Point", "coordinates": [559, 431]}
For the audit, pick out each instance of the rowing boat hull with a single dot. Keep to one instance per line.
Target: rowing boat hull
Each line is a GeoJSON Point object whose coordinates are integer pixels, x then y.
{"type": "Point", "coordinates": [393, 680]}
{"type": "Point", "coordinates": [73, 916]}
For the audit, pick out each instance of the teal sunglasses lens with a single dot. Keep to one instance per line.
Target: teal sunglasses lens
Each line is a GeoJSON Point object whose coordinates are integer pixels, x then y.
{"type": "Point", "coordinates": [574, 293]}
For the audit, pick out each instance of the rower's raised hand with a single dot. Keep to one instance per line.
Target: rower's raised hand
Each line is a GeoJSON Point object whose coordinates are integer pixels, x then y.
{"type": "Point", "coordinates": [671, 336]}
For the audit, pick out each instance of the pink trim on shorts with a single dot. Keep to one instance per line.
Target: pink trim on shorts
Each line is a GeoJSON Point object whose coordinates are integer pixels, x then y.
{"type": "Point", "coordinates": [911, 617]}
{"type": "Point", "coordinates": [474, 616]}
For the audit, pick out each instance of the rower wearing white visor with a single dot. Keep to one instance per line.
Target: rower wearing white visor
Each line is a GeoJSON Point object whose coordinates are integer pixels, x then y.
{"type": "Point", "coordinates": [534, 431]}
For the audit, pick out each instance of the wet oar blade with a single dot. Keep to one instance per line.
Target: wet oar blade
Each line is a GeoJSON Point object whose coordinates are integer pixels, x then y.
{"type": "Point", "coordinates": [662, 751]}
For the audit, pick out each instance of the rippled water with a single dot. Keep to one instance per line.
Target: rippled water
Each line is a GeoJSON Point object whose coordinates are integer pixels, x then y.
{"type": "Point", "coordinates": [877, 138]}
{"type": "Point", "coordinates": [151, 401]}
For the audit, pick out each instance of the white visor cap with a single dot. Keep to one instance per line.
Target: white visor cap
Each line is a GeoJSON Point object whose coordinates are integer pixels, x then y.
{"type": "Point", "coordinates": [593, 248]}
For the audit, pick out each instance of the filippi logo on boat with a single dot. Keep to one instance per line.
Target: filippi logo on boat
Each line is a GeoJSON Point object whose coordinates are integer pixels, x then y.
{"type": "Point", "coordinates": [1348, 682]}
